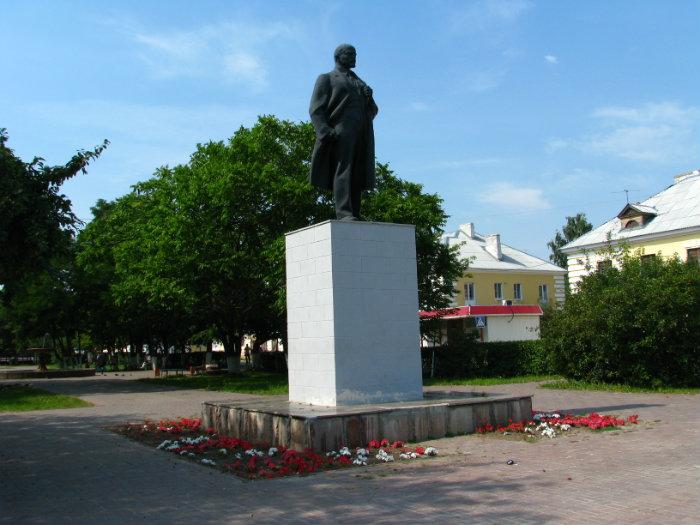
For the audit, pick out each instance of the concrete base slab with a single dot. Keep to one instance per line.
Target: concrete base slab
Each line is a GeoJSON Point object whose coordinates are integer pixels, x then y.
{"type": "Point", "coordinates": [276, 421]}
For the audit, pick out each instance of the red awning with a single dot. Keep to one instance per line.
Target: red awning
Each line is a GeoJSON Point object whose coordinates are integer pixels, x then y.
{"type": "Point", "coordinates": [460, 312]}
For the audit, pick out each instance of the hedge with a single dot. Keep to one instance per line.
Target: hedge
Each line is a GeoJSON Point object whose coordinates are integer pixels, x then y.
{"type": "Point", "coordinates": [466, 358]}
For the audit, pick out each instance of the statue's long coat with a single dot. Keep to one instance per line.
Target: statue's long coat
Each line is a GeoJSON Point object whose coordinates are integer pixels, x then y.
{"type": "Point", "coordinates": [328, 102]}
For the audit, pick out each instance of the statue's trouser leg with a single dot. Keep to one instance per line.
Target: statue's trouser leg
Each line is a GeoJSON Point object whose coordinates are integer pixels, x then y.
{"type": "Point", "coordinates": [344, 157]}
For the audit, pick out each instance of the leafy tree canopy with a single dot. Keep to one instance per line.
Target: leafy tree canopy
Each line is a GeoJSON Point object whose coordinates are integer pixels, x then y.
{"type": "Point", "coordinates": [36, 221]}
{"type": "Point", "coordinates": [573, 229]}
{"type": "Point", "coordinates": [201, 245]}
{"type": "Point", "coordinates": [635, 324]}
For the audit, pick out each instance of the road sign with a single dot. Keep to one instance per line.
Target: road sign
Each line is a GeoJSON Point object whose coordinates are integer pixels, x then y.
{"type": "Point", "coordinates": [480, 321]}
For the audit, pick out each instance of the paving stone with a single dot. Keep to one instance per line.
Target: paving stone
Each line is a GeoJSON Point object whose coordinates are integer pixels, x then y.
{"type": "Point", "coordinates": [62, 466]}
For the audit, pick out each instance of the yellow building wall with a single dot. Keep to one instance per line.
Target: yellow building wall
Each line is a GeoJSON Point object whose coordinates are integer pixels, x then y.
{"type": "Point", "coordinates": [670, 245]}
{"type": "Point", "coordinates": [665, 246]}
{"type": "Point", "coordinates": [484, 287]}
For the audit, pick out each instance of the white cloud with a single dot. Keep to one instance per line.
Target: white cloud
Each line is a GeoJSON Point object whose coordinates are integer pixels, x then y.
{"type": "Point", "coordinates": [552, 59]}
{"type": "Point", "coordinates": [246, 67]}
{"type": "Point", "coordinates": [661, 132]}
{"type": "Point", "coordinates": [234, 51]}
{"type": "Point", "coordinates": [556, 144]}
{"type": "Point", "coordinates": [482, 81]}
{"type": "Point", "coordinates": [518, 198]}
{"type": "Point", "coordinates": [487, 14]}
{"type": "Point", "coordinates": [419, 106]}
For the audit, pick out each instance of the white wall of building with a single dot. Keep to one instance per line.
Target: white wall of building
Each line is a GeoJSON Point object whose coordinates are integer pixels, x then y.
{"type": "Point", "coordinates": [517, 328]}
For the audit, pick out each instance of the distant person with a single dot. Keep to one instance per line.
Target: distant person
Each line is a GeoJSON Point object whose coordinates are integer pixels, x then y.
{"type": "Point", "coordinates": [101, 363]}
{"type": "Point", "coordinates": [246, 354]}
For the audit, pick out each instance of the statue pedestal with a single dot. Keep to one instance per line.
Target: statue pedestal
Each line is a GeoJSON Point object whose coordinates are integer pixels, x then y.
{"type": "Point", "coordinates": [352, 314]}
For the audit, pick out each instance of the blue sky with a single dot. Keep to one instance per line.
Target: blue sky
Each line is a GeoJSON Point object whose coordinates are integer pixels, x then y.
{"type": "Point", "coordinates": [516, 112]}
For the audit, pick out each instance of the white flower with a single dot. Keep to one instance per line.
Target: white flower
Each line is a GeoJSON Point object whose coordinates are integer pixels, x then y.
{"type": "Point", "coordinates": [431, 451]}
{"type": "Point", "coordinates": [190, 454]}
{"type": "Point", "coordinates": [362, 462]}
{"type": "Point", "coordinates": [195, 441]}
{"type": "Point", "coordinates": [183, 452]}
{"type": "Point", "coordinates": [237, 455]}
{"type": "Point", "coordinates": [362, 452]}
{"type": "Point", "coordinates": [259, 453]}
{"type": "Point", "coordinates": [549, 432]}
{"type": "Point", "coordinates": [565, 427]}
{"type": "Point", "coordinates": [206, 461]}
{"type": "Point", "coordinates": [272, 451]}
{"type": "Point", "coordinates": [251, 452]}
{"type": "Point", "coordinates": [382, 455]}
{"type": "Point", "coordinates": [163, 444]}
{"type": "Point", "coordinates": [345, 451]}
{"type": "Point", "coordinates": [223, 451]}
{"type": "Point", "coordinates": [529, 430]}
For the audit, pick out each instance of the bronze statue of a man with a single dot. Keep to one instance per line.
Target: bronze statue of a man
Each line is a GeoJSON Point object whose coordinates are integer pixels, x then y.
{"type": "Point", "coordinates": [342, 110]}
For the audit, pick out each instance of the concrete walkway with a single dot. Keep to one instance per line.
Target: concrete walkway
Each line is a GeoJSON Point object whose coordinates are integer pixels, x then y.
{"type": "Point", "coordinates": [61, 466]}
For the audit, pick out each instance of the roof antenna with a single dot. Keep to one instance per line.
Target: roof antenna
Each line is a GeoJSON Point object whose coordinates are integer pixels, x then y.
{"type": "Point", "coordinates": [627, 194]}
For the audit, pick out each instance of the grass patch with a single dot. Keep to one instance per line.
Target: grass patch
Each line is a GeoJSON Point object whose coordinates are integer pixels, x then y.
{"type": "Point", "coordinates": [262, 383]}
{"type": "Point", "coordinates": [566, 384]}
{"type": "Point", "coordinates": [485, 381]}
{"type": "Point", "coordinates": [21, 398]}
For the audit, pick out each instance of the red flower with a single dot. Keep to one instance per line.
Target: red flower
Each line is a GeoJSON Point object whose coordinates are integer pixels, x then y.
{"type": "Point", "coordinates": [420, 450]}
{"type": "Point", "coordinates": [397, 444]}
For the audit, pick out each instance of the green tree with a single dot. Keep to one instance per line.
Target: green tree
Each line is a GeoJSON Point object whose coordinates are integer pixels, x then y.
{"type": "Point", "coordinates": [636, 324]}
{"type": "Point", "coordinates": [400, 201]}
{"type": "Point", "coordinates": [573, 229]}
{"type": "Point", "coordinates": [199, 247]}
{"type": "Point", "coordinates": [36, 221]}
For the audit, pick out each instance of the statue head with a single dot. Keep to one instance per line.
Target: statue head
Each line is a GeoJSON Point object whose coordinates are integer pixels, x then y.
{"type": "Point", "coordinates": [345, 55]}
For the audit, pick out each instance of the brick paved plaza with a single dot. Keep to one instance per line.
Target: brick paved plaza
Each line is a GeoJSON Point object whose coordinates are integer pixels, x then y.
{"type": "Point", "coordinates": [60, 467]}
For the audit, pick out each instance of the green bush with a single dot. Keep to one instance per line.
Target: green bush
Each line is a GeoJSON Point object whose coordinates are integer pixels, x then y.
{"type": "Point", "coordinates": [464, 357]}
{"type": "Point", "coordinates": [637, 325]}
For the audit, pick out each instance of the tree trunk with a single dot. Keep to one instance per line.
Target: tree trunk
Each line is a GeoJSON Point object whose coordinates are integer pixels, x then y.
{"type": "Point", "coordinates": [233, 354]}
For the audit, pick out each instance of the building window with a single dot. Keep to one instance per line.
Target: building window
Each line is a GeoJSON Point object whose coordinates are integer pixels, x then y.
{"type": "Point", "coordinates": [604, 264]}
{"type": "Point", "coordinates": [517, 291]}
{"type": "Point", "coordinates": [498, 291]}
{"type": "Point", "coordinates": [631, 224]}
{"type": "Point", "coordinates": [543, 293]}
{"type": "Point", "coordinates": [693, 255]}
{"type": "Point", "coordinates": [469, 296]}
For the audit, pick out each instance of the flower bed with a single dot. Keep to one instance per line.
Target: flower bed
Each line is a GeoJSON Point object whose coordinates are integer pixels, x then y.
{"type": "Point", "coordinates": [185, 438]}
{"type": "Point", "coordinates": [552, 424]}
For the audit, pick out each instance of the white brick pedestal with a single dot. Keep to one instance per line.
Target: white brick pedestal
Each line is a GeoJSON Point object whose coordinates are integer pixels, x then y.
{"type": "Point", "coordinates": [352, 314]}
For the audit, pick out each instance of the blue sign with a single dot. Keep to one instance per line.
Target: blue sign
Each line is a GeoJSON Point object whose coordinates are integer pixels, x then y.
{"type": "Point", "coordinates": [480, 321]}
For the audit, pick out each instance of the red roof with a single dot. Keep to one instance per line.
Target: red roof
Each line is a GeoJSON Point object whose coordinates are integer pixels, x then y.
{"type": "Point", "coordinates": [460, 312]}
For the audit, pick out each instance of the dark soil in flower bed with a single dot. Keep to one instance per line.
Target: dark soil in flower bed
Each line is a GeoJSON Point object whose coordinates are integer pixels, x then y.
{"type": "Point", "coordinates": [186, 439]}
